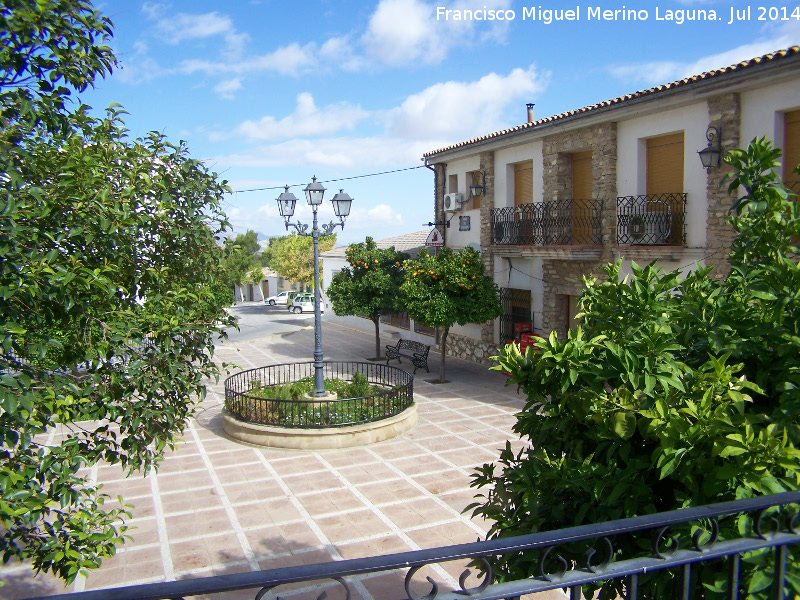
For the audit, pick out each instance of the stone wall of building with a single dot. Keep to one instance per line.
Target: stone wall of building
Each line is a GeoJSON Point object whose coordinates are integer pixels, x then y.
{"type": "Point", "coordinates": [557, 171]}
{"type": "Point", "coordinates": [487, 204]}
{"type": "Point", "coordinates": [439, 190]}
{"type": "Point", "coordinates": [563, 278]}
{"type": "Point", "coordinates": [724, 113]}
{"type": "Point", "coordinates": [465, 348]}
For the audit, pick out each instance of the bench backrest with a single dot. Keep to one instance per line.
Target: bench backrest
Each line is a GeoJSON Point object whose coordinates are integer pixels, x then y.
{"type": "Point", "coordinates": [413, 346]}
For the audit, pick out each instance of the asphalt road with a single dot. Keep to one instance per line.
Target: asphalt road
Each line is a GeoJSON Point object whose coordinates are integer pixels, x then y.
{"type": "Point", "coordinates": [259, 320]}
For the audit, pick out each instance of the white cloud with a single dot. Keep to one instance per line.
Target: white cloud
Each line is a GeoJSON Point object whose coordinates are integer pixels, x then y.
{"type": "Point", "coordinates": [455, 110]}
{"type": "Point", "coordinates": [404, 32]}
{"type": "Point", "coordinates": [181, 27]}
{"type": "Point", "coordinates": [225, 89]}
{"type": "Point", "coordinates": [664, 71]}
{"type": "Point", "coordinates": [437, 116]}
{"type": "Point", "coordinates": [292, 60]}
{"type": "Point", "coordinates": [137, 66]}
{"type": "Point", "coordinates": [331, 152]}
{"type": "Point", "coordinates": [307, 120]}
{"type": "Point", "coordinates": [288, 60]}
{"type": "Point", "coordinates": [341, 51]}
{"type": "Point", "coordinates": [379, 215]}
{"type": "Point", "coordinates": [399, 33]}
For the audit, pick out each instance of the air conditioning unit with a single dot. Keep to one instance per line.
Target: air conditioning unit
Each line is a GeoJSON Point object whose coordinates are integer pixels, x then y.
{"type": "Point", "coordinates": [650, 228]}
{"type": "Point", "coordinates": [453, 202]}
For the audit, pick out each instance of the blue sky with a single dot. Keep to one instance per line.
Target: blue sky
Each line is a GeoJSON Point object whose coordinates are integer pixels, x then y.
{"type": "Point", "coordinates": [271, 92]}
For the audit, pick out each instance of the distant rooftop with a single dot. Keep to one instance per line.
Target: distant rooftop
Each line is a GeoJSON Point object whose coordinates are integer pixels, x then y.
{"type": "Point", "coordinates": [410, 243]}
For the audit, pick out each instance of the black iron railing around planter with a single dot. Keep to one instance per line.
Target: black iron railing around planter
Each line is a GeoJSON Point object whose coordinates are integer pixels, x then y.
{"type": "Point", "coordinates": [651, 220]}
{"type": "Point", "coordinates": [556, 223]}
{"type": "Point", "coordinates": [396, 395]}
{"type": "Point", "coordinates": [682, 541]}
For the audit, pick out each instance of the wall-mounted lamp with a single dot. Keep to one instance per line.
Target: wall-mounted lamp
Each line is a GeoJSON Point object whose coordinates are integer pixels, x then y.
{"type": "Point", "coordinates": [478, 189]}
{"type": "Point", "coordinates": [710, 156]}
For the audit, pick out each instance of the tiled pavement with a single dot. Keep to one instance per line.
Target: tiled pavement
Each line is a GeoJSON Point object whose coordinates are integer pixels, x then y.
{"type": "Point", "coordinates": [219, 506]}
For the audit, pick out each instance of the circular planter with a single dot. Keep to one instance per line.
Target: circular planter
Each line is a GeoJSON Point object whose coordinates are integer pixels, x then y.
{"type": "Point", "coordinates": [308, 423]}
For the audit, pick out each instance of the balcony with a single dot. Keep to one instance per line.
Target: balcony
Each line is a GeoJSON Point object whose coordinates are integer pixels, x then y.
{"type": "Point", "coordinates": [557, 223]}
{"type": "Point", "coordinates": [651, 220]}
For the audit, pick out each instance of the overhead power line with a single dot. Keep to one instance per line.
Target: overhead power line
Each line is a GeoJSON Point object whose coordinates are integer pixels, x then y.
{"type": "Point", "coordinates": [280, 187]}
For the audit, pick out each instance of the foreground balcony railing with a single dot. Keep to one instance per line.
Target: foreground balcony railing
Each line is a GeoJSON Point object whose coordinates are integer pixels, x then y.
{"type": "Point", "coordinates": [681, 541]}
{"type": "Point", "coordinates": [557, 223]}
{"type": "Point", "coordinates": [651, 220]}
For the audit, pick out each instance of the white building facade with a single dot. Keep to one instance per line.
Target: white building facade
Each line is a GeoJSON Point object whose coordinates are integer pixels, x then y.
{"type": "Point", "coordinates": [565, 195]}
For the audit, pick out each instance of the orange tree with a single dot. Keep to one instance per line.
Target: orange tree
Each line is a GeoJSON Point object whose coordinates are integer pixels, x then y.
{"type": "Point", "coordinates": [370, 286]}
{"type": "Point", "coordinates": [109, 290]}
{"type": "Point", "coordinates": [674, 391]}
{"type": "Point", "coordinates": [449, 288]}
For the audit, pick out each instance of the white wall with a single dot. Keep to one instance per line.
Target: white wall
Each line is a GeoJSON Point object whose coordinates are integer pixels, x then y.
{"type": "Point", "coordinates": [454, 237]}
{"type": "Point", "coordinates": [632, 166]}
{"type": "Point", "coordinates": [460, 239]}
{"type": "Point", "coordinates": [761, 111]}
{"type": "Point", "coordinates": [504, 161]}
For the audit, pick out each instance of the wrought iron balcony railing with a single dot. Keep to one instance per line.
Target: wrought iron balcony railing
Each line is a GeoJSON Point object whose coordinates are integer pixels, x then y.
{"type": "Point", "coordinates": [557, 223]}
{"type": "Point", "coordinates": [719, 537]}
{"type": "Point", "coordinates": [651, 220]}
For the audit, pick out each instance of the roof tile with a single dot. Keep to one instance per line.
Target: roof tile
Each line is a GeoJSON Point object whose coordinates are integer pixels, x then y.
{"type": "Point", "coordinates": [778, 54]}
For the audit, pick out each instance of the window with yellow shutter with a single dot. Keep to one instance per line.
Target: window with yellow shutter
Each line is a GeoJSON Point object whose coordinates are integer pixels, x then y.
{"type": "Point", "coordinates": [582, 175]}
{"type": "Point", "coordinates": [523, 183]}
{"type": "Point", "coordinates": [665, 164]}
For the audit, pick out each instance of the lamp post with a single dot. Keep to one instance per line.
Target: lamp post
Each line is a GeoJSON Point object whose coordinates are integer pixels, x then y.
{"type": "Point", "coordinates": [341, 207]}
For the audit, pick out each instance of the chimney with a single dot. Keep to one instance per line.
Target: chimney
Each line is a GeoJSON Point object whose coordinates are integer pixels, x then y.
{"type": "Point", "coordinates": [530, 112]}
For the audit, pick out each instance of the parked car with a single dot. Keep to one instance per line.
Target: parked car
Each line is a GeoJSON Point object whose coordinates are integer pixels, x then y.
{"type": "Point", "coordinates": [305, 303]}
{"type": "Point", "coordinates": [282, 298]}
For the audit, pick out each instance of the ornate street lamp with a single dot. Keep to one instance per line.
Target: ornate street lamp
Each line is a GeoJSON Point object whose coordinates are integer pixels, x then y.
{"type": "Point", "coordinates": [341, 207]}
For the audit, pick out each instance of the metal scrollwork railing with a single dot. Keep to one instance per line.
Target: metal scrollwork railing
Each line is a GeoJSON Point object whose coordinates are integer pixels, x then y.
{"type": "Point", "coordinates": [651, 220]}
{"type": "Point", "coordinates": [557, 223]}
{"type": "Point", "coordinates": [562, 559]}
{"type": "Point", "coordinates": [249, 395]}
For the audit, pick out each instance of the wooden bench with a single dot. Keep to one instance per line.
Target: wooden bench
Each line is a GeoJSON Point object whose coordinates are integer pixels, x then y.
{"type": "Point", "coordinates": [417, 352]}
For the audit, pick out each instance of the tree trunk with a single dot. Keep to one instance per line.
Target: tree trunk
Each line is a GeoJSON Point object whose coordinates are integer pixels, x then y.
{"type": "Point", "coordinates": [443, 343]}
{"type": "Point", "coordinates": [260, 291]}
{"type": "Point", "coordinates": [241, 292]}
{"type": "Point", "coordinates": [377, 320]}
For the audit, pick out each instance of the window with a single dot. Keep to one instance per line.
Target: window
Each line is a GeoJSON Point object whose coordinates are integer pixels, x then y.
{"type": "Point", "coordinates": [582, 175]}
{"type": "Point", "coordinates": [523, 183]}
{"type": "Point", "coordinates": [516, 308]}
{"type": "Point", "coordinates": [474, 178]}
{"type": "Point", "coordinates": [582, 222]}
{"type": "Point", "coordinates": [424, 329]}
{"type": "Point", "coordinates": [665, 164]}
{"type": "Point", "coordinates": [452, 184]}
{"type": "Point", "coordinates": [791, 150]}
{"type": "Point", "coordinates": [399, 320]}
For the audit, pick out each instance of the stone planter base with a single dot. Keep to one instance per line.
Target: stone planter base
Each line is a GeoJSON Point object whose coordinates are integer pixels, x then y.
{"type": "Point", "coordinates": [320, 439]}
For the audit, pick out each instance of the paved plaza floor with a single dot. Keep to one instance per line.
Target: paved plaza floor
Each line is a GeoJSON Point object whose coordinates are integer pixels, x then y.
{"type": "Point", "coordinates": [218, 506]}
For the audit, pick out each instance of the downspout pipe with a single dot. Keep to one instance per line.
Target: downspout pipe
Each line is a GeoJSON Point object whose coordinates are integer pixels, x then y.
{"type": "Point", "coordinates": [435, 199]}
